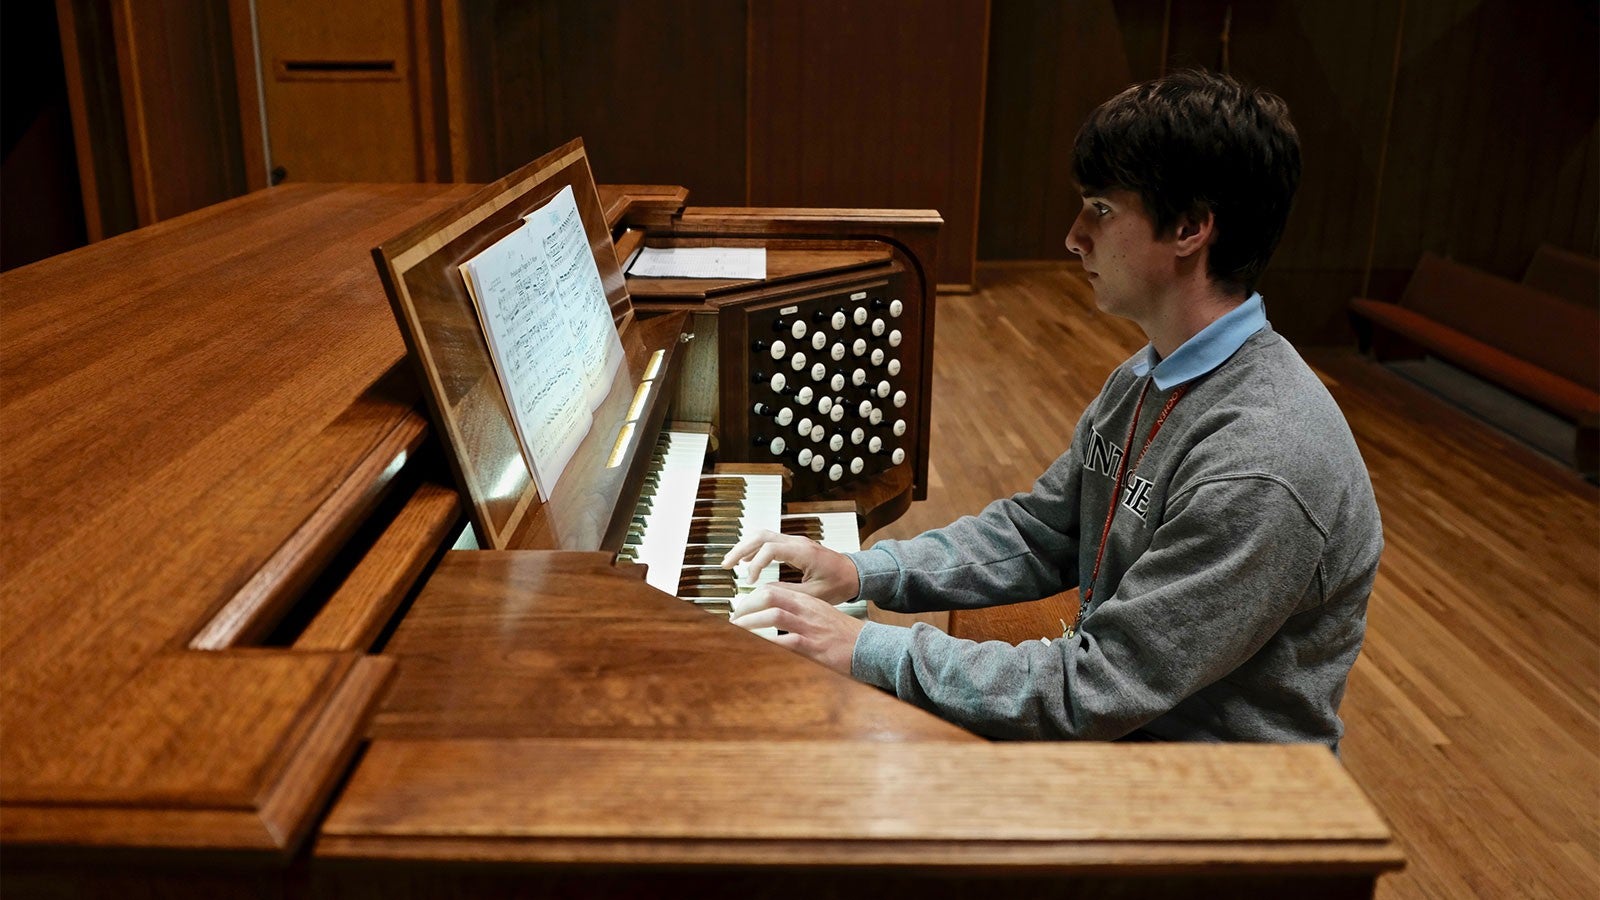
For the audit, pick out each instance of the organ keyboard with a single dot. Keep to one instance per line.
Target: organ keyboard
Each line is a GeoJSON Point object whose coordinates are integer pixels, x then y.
{"type": "Point", "coordinates": [660, 532]}
{"type": "Point", "coordinates": [686, 522]}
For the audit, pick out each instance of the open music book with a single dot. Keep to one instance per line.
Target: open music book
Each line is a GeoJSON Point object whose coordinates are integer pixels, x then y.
{"type": "Point", "coordinates": [549, 329]}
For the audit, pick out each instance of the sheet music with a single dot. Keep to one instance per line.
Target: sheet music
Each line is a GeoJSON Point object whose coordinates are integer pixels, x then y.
{"type": "Point", "coordinates": [700, 262]}
{"type": "Point", "coordinates": [560, 231]}
{"type": "Point", "coordinates": [549, 331]}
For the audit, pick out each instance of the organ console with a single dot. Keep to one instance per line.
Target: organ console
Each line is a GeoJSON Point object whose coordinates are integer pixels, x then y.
{"type": "Point", "coordinates": [247, 646]}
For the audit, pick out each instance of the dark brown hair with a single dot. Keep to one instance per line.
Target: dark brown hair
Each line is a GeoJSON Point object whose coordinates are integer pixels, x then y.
{"type": "Point", "coordinates": [1197, 141]}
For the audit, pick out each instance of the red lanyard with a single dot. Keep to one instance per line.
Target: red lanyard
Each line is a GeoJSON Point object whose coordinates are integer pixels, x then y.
{"type": "Point", "coordinates": [1116, 492]}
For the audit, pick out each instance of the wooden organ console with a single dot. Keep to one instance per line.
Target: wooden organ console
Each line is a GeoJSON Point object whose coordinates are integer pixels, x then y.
{"type": "Point", "coordinates": [239, 656]}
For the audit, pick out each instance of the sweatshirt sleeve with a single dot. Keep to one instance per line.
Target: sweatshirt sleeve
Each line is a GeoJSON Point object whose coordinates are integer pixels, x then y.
{"type": "Point", "coordinates": [1234, 558]}
{"type": "Point", "coordinates": [1020, 548]}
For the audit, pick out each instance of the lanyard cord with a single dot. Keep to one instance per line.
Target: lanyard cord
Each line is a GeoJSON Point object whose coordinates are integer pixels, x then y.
{"type": "Point", "coordinates": [1116, 492]}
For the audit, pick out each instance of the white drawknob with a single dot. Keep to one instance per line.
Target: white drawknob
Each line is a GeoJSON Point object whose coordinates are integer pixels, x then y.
{"type": "Point", "coordinates": [818, 371]}
{"type": "Point", "coordinates": [837, 351]}
{"type": "Point", "coordinates": [877, 356]}
{"type": "Point", "coordinates": [836, 443]}
{"type": "Point", "coordinates": [797, 361]}
{"type": "Point", "coordinates": [804, 395]}
{"type": "Point", "coordinates": [898, 456]}
{"type": "Point", "coordinates": [895, 308]}
{"type": "Point", "coordinates": [799, 330]}
{"type": "Point", "coordinates": [876, 417]}
{"type": "Point", "coordinates": [899, 399]}
{"type": "Point", "coordinates": [875, 444]}
{"type": "Point", "coordinates": [804, 427]}
{"type": "Point", "coordinates": [858, 377]}
{"type": "Point", "coordinates": [857, 436]}
{"type": "Point", "coordinates": [838, 320]}
{"type": "Point", "coordinates": [865, 409]}
{"type": "Point", "coordinates": [776, 446]}
{"type": "Point", "coordinates": [838, 382]}
{"type": "Point", "coordinates": [825, 404]}
{"type": "Point", "coordinates": [837, 412]}
{"type": "Point", "coordinates": [785, 416]}
{"type": "Point", "coordinates": [860, 315]}
{"type": "Point", "coordinates": [817, 462]}
{"type": "Point", "coordinates": [778, 349]}
{"type": "Point", "coordinates": [899, 427]}
{"type": "Point", "coordinates": [894, 367]}
{"type": "Point", "coordinates": [894, 338]}
{"type": "Point", "coordinates": [818, 340]}
{"type": "Point", "coordinates": [805, 457]}
{"type": "Point", "coordinates": [856, 465]}
{"type": "Point", "coordinates": [817, 434]}
{"type": "Point", "coordinates": [883, 388]}
{"type": "Point", "coordinates": [877, 327]}
{"type": "Point", "coordinates": [859, 348]}
{"type": "Point", "coordinates": [778, 382]}
{"type": "Point", "coordinates": [835, 472]}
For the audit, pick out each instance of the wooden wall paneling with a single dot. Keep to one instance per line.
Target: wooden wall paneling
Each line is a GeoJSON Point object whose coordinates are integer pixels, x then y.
{"type": "Point", "coordinates": [431, 90]}
{"type": "Point", "coordinates": [247, 77]}
{"type": "Point", "coordinates": [1050, 65]}
{"type": "Point", "coordinates": [1333, 66]}
{"type": "Point", "coordinates": [349, 90]}
{"type": "Point", "coordinates": [180, 105]}
{"type": "Point", "coordinates": [100, 137]}
{"type": "Point", "coordinates": [41, 206]}
{"type": "Point", "coordinates": [1579, 178]}
{"type": "Point", "coordinates": [1495, 110]}
{"type": "Point", "coordinates": [466, 45]}
{"type": "Point", "coordinates": [871, 105]}
{"type": "Point", "coordinates": [657, 92]}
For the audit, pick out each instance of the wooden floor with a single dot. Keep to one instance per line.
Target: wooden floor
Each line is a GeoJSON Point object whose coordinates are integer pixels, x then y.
{"type": "Point", "coordinates": [1473, 714]}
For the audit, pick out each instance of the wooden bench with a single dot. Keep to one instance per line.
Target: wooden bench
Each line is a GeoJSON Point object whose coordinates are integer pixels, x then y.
{"type": "Point", "coordinates": [1540, 345]}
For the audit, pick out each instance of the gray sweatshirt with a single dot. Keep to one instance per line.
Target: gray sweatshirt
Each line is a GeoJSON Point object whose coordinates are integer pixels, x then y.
{"type": "Point", "coordinates": [1231, 601]}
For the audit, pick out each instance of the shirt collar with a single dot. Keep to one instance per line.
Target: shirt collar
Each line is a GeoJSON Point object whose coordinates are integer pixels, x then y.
{"type": "Point", "coordinates": [1206, 350]}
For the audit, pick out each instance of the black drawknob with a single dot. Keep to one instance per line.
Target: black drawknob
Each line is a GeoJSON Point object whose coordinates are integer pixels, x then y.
{"type": "Point", "coordinates": [759, 346]}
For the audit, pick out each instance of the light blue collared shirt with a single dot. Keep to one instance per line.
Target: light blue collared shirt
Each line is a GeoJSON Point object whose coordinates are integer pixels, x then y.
{"type": "Point", "coordinates": [1206, 350]}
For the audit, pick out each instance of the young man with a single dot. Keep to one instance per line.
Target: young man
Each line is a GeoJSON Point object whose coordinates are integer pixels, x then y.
{"type": "Point", "coordinates": [1224, 592]}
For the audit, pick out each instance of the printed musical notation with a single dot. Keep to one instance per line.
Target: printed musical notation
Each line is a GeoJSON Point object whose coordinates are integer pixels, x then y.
{"type": "Point", "coordinates": [545, 317]}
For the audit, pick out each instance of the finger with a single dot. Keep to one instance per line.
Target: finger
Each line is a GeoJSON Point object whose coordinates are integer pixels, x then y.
{"type": "Point", "coordinates": [744, 604]}
{"type": "Point", "coordinates": [743, 550]}
{"type": "Point", "coordinates": [783, 550]}
{"type": "Point", "coordinates": [762, 618]}
{"type": "Point", "coordinates": [770, 597]}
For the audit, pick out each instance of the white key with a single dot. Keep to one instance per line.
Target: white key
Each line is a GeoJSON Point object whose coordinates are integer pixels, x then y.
{"type": "Point", "coordinates": [666, 525]}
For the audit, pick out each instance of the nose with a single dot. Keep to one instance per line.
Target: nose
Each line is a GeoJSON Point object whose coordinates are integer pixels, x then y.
{"type": "Point", "coordinates": [1077, 238]}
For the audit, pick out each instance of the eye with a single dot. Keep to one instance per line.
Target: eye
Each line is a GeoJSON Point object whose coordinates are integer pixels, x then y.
{"type": "Point", "coordinates": [1100, 209]}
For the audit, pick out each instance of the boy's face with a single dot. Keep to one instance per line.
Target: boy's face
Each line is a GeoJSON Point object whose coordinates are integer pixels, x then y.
{"type": "Point", "coordinates": [1128, 266]}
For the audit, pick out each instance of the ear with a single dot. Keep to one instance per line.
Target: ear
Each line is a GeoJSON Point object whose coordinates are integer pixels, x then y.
{"type": "Point", "coordinates": [1195, 230]}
